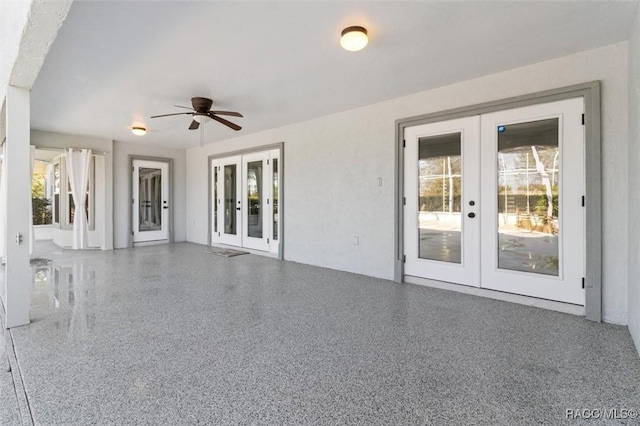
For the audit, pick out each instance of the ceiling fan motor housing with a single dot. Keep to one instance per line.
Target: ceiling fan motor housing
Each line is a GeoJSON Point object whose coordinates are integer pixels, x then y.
{"type": "Point", "coordinates": [201, 105]}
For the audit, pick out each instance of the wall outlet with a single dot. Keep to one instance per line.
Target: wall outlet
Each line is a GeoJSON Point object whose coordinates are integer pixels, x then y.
{"type": "Point", "coordinates": [356, 241]}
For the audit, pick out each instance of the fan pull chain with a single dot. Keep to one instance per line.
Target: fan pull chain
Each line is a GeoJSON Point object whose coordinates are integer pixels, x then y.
{"type": "Point", "coordinates": [202, 135]}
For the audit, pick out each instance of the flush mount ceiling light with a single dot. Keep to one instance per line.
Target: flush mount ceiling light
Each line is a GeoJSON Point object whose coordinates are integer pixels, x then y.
{"type": "Point", "coordinates": [354, 38]}
{"type": "Point", "coordinates": [139, 131]}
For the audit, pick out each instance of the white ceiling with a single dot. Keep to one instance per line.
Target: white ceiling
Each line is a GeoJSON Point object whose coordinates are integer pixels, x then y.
{"type": "Point", "coordinates": [114, 64]}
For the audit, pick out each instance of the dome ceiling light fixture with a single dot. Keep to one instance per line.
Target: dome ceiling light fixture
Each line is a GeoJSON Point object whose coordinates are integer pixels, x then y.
{"type": "Point", "coordinates": [354, 38]}
{"type": "Point", "coordinates": [138, 131]}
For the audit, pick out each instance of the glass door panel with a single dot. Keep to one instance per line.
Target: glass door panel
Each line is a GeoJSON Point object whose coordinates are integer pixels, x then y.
{"type": "Point", "coordinates": [230, 200]}
{"type": "Point", "coordinates": [150, 195]}
{"type": "Point", "coordinates": [274, 199]}
{"type": "Point", "coordinates": [254, 199]}
{"type": "Point", "coordinates": [528, 193]}
{"type": "Point", "coordinates": [229, 212]}
{"type": "Point", "coordinates": [440, 190]}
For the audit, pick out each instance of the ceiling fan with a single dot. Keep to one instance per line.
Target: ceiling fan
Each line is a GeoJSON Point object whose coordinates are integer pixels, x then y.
{"type": "Point", "coordinates": [202, 112]}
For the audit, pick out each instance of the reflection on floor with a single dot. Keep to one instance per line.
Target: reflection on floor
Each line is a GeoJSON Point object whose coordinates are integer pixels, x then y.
{"type": "Point", "coordinates": [169, 334]}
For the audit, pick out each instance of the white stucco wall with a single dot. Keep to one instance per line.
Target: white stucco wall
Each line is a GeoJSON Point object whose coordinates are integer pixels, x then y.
{"type": "Point", "coordinates": [634, 181]}
{"type": "Point", "coordinates": [121, 182]}
{"type": "Point", "coordinates": [332, 165]}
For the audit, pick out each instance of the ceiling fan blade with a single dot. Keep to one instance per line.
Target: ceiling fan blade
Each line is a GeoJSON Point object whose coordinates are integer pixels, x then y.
{"type": "Point", "coordinates": [194, 125]}
{"type": "Point", "coordinates": [225, 122]}
{"type": "Point", "coordinates": [180, 106]}
{"type": "Point", "coordinates": [233, 113]}
{"type": "Point", "coordinates": [167, 115]}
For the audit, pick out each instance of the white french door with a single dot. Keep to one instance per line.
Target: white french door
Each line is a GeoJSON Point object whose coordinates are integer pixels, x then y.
{"type": "Point", "coordinates": [533, 183]}
{"type": "Point", "coordinates": [496, 201]}
{"type": "Point", "coordinates": [442, 232]}
{"type": "Point", "coordinates": [150, 189]}
{"type": "Point", "coordinates": [244, 200]}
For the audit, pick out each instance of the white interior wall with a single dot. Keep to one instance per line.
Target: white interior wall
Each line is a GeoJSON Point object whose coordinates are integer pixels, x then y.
{"type": "Point", "coordinates": [102, 236]}
{"type": "Point", "coordinates": [122, 179]}
{"type": "Point", "coordinates": [332, 165]}
{"type": "Point", "coordinates": [634, 181]}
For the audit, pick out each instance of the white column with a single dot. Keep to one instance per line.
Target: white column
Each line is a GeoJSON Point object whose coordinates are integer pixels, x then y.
{"type": "Point", "coordinates": [18, 192]}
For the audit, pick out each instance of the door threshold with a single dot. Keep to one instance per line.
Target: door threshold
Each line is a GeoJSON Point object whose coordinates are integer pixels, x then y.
{"type": "Point", "coordinates": [150, 243]}
{"type": "Point", "coordinates": [551, 305]}
{"type": "Point", "coordinates": [252, 251]}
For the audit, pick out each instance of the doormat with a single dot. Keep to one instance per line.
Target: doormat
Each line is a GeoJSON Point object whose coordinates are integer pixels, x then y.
{"type": "Point", "coordinates": [227, 252]}
{"type": "Point", "coordinates": [37, 261]}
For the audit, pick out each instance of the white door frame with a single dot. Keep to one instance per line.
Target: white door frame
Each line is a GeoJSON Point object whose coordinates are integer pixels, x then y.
{"type": "Point", "coordinates": [169, 162]}
{"type": "Point", "coordinates": [590, 92]}
{"type": "Point", "coordinates": [272, 152]}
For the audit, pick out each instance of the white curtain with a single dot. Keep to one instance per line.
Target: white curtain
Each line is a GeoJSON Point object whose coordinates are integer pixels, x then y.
{"type": "Point", "coordinates": [78, 163]}
{"type": "Point", "coordinates": [3, 202]}
{"type": "Point", "coordinates": [32, 238]}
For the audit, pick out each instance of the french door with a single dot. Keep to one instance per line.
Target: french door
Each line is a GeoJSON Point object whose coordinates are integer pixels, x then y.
{"type": "Point", "coordinates": [495, 201]}
{"type": "Point", "coordinates": [244, 201]}
{"type": "Point", "coordinates": [150, 183]}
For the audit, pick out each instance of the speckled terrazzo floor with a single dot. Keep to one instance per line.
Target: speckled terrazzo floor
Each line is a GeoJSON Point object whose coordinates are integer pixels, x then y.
{"type": "Point", "coordinates": [171, 335]}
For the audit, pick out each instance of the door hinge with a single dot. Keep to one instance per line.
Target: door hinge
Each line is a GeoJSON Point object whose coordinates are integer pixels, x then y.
{"type": "Point", "coordinates": [404, 143]}
{"type": "Point", "coordinates": [582, 282]}
{"type": "Point", "coordinates": [404, 201]}
{"type": "Point", "coordinates": [583, 119]}
{"type": "Point", "coordinates": [583, 201]}
{"type": "Point", "coordinates": [267, 161]}
{"type": "Point", "coordinates": [404, 258]}
{"type": "Point", "coordinates": [218, 234]}
{"type": "Point", "coordinates": [267, 201]}
{"type": "Point", "coordinates": [133, 201]}
{"type": "Point", "coordinates": [131, 232]}
{"type": "Point", "coordinates": [267, 241]}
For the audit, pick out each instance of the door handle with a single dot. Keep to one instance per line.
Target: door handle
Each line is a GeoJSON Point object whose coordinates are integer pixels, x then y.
{"type": "Point", "coordinates": [237, 208]}
{"type": "Point", "coordinates": [165, 207]}
{"type": "Point", "coordinates": [472, 215]}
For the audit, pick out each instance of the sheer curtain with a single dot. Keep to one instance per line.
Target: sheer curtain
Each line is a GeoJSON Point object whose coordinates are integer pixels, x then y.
{"type": "Point", "coordinates": [78, 163]}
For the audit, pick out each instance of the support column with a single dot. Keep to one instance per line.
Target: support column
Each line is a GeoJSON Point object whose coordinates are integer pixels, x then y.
{"type": "Point", "coordinates": [18, 198]}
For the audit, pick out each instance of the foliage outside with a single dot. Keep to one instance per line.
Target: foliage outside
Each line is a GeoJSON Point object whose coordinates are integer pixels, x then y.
{"type": "Point", "coordinates": [41, 205]}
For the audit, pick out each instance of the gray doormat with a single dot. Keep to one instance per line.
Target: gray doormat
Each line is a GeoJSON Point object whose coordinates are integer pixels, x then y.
{"type": "Point", "coordinates": [227, 252]}
{"type": "Point", "coordinates": [36, 261]}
